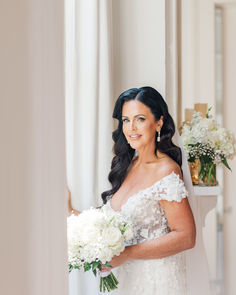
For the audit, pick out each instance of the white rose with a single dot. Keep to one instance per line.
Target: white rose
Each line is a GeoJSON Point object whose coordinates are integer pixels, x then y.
{"type": "Point", "coordinates": [105, 255]}
{"type": "Point", "coordinates": [113, 238]}
{"type": "Point", "coordinates": [129, 234]}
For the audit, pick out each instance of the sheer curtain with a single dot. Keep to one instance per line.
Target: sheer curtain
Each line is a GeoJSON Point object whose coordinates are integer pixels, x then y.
{"type": "Point", "coordinates": [88, 110]}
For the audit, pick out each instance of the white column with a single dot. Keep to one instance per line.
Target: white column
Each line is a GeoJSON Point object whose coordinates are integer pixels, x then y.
{"type": "Point", "coordinates": [33, 183]}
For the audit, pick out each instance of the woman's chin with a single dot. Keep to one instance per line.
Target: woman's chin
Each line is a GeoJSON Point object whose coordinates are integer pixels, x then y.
{"type": "Point", "coordinates": [134, 146]}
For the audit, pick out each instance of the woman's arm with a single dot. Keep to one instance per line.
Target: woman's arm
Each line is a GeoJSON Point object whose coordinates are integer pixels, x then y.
{"type": "Point", "coordinates": [181, 237]}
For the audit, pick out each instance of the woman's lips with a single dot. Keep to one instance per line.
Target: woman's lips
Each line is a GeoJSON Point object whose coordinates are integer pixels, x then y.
{"type": "Point", "coordinates": [135, 136]}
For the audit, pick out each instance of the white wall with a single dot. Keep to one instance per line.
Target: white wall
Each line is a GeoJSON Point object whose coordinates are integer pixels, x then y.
{"type": "Point", "coordinates": [197, 61]}
{"type": "Point", "coordinates": [33, 183]}
{"type": "Point", "coordinates": [229, 106]}
{"type": "Point", "coordinates": [139, 44]}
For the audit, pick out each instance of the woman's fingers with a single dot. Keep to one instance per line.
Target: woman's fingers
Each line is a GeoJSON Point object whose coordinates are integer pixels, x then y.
{"type": "Point", "coordinates": [75, 212]}
{"type": "Point", "coordinates": [105, 268]}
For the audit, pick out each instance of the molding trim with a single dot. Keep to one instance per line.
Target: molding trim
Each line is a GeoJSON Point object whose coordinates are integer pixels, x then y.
{"type": "Point", "coordinates": [224, 3]}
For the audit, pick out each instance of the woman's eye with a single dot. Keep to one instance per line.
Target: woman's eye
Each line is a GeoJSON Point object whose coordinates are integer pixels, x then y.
{"type": "Point", "coordinates": [140, 119]}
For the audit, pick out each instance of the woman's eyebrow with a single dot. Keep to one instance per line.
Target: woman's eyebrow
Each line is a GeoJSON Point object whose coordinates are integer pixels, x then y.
{"type": "Point", "coordinates": [134, 116]}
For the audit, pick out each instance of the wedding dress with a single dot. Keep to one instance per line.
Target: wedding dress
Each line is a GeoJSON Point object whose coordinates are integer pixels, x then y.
{"type": "Point", "coordinates": [162, 276]}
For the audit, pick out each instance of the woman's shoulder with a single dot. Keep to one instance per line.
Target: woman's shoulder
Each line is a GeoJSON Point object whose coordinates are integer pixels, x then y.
{"type": "Point", "coordinates": [166, 166]}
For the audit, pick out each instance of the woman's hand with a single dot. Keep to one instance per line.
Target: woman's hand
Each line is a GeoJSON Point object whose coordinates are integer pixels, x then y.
{"type": "Point", "coordinates": [70, 209]}
{"type": "Point", "coordinates": [117, 260]}
{"type": "Point", "coordinates": [73, 211]}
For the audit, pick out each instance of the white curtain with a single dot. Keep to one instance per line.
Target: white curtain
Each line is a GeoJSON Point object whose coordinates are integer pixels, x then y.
{"type": "Point", "coordinates": [89, 103]}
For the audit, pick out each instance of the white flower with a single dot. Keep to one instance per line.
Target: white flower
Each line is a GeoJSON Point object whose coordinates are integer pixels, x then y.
{"type": "Point", "coordinates": [113, 238]}
{"type": "Point", "coordinates": [129, 233]}
{"type": "Point", "coordinates": [203, 137]}
{"type": "Point", "coordinates": [96, 235]}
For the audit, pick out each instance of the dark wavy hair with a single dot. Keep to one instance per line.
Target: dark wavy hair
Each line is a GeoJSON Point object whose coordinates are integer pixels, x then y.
{"type": "Point", "coordinates": [123, 152]}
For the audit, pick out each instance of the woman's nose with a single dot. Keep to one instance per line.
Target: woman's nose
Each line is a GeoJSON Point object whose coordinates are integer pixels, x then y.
{"type": "Point", "coordinates": [133, 125]}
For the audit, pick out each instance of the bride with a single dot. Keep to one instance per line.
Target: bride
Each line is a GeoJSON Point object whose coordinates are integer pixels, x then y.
{"type": "Point", "coordinates": [151, 184]}
{"type": "Point", "coordinates": [147, 186]}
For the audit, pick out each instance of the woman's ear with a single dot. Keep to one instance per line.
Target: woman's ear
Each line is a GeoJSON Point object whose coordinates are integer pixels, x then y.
{"type": "Point", "coordinates": [159, 124]}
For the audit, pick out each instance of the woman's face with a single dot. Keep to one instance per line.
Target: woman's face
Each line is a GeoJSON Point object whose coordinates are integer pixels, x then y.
{"type": "Point", "coordinates": [139, 125]}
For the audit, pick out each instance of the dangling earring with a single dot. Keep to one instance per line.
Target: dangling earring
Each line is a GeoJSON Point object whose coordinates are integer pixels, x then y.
{"type": "Point", "coordinates": [158, 136]}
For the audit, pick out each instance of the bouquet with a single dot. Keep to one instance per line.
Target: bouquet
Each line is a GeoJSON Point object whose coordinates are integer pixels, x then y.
{"type": "Point", "coordinates": [205, 140]}
{"type": "Point", "coordinates": [94, 237]}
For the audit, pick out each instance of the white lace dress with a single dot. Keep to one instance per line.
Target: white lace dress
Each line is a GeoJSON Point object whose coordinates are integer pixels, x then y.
{"type": "Point", "coordinates": [162, 276]}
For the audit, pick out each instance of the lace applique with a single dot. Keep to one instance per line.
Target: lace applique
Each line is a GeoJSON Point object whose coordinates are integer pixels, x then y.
{"type": "Point", "coordinates": [145, 211]}
{"type": "Point", "coordinates": [170, 188]}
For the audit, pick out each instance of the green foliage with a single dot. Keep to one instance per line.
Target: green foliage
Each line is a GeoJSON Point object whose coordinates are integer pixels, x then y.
{"type": "Point", "coordinates": [124, 229]}
{"type": "Point", "coordinates": [208, 111]}
{"type": "Point", "coordinates": [108, 264]}
{"type": "Point", "coordinates": [224, 161]}
{"type": "Point", "coordinates": [95, 265]}
{"type": "Point", "coordinates": [87, 266]}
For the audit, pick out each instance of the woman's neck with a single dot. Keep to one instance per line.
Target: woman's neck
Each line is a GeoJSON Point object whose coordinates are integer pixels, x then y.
{"type": "Point", "coordinates": [148, 156]}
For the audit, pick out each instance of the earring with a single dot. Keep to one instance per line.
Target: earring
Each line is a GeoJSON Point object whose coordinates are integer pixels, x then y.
{"type": "Point", "coordinates": [158, 136]}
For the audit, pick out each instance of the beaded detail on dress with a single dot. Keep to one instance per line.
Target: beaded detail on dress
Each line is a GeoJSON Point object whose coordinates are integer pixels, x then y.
{"type": "Point", "coordinates": [163, 276]}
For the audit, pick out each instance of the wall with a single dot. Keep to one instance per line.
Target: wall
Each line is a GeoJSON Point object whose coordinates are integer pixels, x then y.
{"type": "Point", "coordinates": [32, 171]}
{"type": "Point", "coordinates": [229, 105]}
{"type": "Point", "coordinates": [138, 44]}
{"type": "Point", "coordinates": [197, 62]}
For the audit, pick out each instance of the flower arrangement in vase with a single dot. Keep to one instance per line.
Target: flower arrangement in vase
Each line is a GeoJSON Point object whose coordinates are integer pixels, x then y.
{"type": "Point", "coordinates": [207, 144]}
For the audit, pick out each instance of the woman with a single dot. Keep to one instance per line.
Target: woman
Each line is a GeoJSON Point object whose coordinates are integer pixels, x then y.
{"type": "Point", "coordinates": [147, 186]}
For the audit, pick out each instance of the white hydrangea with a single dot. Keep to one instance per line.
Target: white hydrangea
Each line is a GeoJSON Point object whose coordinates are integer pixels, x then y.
{"type": "Point", "coordinates": [97, 235]}
{"type": "Point", "coordinates": [203, 137]}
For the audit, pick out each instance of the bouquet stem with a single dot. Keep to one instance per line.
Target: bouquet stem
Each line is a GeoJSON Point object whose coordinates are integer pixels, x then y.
{"type": "Point", "coordinates": [108, 283]}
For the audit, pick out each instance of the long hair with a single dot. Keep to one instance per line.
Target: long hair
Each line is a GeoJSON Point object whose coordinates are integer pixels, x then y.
{"type": "Point", "coordinates": [123, 152]}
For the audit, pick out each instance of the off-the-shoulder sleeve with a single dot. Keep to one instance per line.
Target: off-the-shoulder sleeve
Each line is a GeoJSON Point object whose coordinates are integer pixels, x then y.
{"type": "Point", "coordinates": [172, 188]}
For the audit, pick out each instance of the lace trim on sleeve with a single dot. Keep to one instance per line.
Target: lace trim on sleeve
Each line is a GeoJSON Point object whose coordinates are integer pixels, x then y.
{"type": "Point", "coordinates": [171, 188]}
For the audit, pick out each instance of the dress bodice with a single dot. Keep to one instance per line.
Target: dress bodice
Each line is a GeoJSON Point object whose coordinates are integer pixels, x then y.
{"type": "Point", "coordinates": [144, 209]}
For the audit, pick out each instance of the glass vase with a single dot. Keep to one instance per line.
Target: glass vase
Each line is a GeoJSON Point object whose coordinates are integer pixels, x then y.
{"type": "Point", "coordinates": [207, 173]}
{"type": "Point", "coordinates": [193, 167]}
